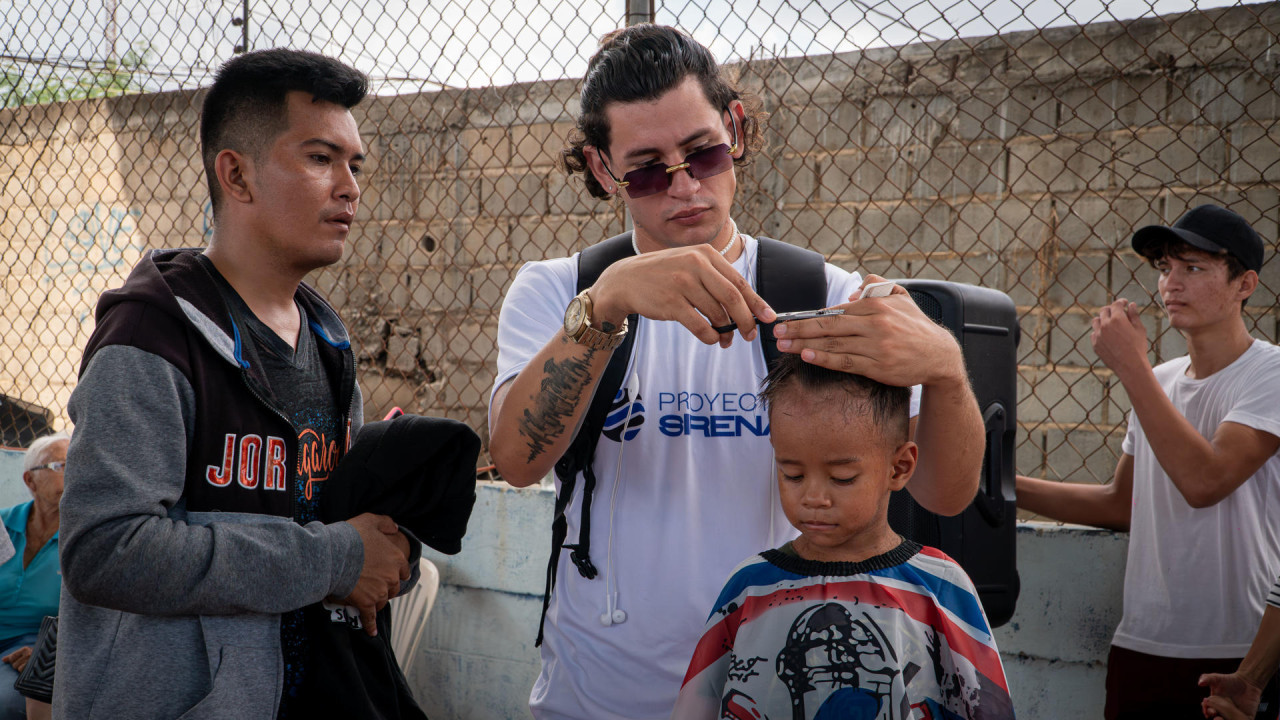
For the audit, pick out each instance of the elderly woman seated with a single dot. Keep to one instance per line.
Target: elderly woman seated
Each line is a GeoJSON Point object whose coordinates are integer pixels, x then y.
{"type": "Point", "coordinates": [29, 581]}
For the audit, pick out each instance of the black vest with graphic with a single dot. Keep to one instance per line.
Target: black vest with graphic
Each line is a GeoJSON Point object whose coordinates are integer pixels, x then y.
{"type": "Point", "coordinates": [244, 454]}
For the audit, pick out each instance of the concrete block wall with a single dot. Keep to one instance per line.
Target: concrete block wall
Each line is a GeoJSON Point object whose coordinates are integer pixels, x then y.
{"type": "Point", "coordinates": [1020, 161]}
{"type": "Point", "coordinates": [87, 188]}
{"type": "Point", "coordinates": [1024, 162]}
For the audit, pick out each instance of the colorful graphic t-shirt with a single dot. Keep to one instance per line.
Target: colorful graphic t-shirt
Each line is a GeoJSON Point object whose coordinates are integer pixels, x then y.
{"type": "Point", "coordinates": [899, 636]}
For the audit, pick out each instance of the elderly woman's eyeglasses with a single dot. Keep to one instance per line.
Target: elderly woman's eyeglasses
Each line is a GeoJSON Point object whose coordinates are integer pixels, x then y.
{"type": "Point", "coordinates": [56, 466]}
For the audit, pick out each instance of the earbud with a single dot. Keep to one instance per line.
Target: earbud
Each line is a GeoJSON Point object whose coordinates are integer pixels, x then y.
{"type": "Point", "coordinates": [617, 617]}
{"type": "Point", "coordinates": [612, 615]}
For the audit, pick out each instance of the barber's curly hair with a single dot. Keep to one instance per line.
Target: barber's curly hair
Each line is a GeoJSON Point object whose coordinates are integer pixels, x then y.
{"type": "Point", "coordinates": [641, 63]}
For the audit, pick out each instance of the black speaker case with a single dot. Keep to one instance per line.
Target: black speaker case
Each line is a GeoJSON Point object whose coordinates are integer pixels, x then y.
{"type": "Point", "coordinates": [983, 537]}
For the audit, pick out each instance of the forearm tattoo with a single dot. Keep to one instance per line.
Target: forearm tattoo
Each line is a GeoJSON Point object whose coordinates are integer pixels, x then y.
{"type": "Point", "coordinates": [562, 389]}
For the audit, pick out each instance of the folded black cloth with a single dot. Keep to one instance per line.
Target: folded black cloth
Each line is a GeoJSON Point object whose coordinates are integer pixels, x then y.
{"type": "Point", "coordinates": [422, 473]}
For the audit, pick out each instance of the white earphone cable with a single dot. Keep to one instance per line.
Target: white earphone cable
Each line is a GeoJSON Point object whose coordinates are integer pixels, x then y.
{"type": "Point", "coordinates": [612, 614]}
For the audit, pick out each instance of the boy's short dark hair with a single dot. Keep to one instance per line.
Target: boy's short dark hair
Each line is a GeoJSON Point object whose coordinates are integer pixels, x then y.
{"type": "Point", "coordinates": [246, 107]}
{"type": "Point", "coordinates": [889, 405]}
{"type": "Point", "coordinates": [641, 63]}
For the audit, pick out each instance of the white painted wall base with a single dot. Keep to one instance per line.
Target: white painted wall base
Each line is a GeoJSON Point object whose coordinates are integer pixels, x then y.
{"type": "Point", "coordinates": [478, 661]}
{"type": "Point", "coordinates": [1055, 647]}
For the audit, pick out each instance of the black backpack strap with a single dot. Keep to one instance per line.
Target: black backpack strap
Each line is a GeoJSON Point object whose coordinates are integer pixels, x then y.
{"type": "Point", "coordinates": [578, 458]}
{"type": "Point", "coordinates": [790, 279]}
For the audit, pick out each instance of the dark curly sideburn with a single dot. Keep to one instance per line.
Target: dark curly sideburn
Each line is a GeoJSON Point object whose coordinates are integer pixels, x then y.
{"type": "Point", "coordinates": [641, 63]}
{"type": "Point", "coordinates": [247, 107]}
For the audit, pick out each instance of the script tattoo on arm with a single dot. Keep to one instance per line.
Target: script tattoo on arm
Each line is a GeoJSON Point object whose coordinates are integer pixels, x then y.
{"type": "Point", "coordinates": [562, 389]}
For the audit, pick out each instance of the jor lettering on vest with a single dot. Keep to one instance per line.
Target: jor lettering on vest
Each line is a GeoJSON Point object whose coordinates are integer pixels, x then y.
{"type": "Point", "coordinates": [250, 460]}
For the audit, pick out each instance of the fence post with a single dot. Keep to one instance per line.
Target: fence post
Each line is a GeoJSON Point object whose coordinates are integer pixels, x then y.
{"type": "Point", "coordinates": [639, 11]}
{"type": "Point", "coordinates": [243, 23]}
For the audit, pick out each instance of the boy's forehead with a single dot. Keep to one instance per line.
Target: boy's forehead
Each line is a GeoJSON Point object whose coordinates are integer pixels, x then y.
{"type": "Point", "coordinates": [826, 431]}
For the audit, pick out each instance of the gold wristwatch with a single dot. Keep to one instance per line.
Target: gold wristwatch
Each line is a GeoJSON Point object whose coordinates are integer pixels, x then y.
{"type": "Point", "coordinates": [577, 325]}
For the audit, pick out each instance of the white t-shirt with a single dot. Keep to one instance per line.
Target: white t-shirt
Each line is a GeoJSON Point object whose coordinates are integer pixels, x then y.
{"type": "Point", "coordinates": [1197, 579]}
{"type": "Point", "coordinates": [696, 494]}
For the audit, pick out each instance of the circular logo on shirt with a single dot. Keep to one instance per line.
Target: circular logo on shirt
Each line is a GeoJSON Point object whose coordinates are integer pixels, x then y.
{"type": "Point", "coordinates": [625, 416]}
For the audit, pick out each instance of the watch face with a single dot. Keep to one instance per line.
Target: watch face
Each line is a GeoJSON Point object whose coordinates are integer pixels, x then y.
{"type": "Point", "coordinates": [573, 316]}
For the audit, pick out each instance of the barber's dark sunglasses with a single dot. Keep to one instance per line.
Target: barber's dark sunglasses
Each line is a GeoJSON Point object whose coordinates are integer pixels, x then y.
{"type": "Point", "coordinates": [701, 164]}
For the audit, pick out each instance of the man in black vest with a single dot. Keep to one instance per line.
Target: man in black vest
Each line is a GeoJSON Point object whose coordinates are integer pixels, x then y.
{"type": "Point", "coordinates": [683, 474]}
{"type": "Point", "coordinates": [216, 395]}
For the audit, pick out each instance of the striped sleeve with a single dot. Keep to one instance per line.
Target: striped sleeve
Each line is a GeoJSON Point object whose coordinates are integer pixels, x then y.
{"type": "Point", "coordinates": [1273, 597]}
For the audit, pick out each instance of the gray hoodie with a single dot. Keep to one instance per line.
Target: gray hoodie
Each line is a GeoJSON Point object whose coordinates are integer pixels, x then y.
{"type": "Point", "coordinates": [173, 584]}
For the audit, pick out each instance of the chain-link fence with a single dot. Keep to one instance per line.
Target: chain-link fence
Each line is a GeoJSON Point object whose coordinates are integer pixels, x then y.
{"type": "Point", "coordinates": [1011, 146]}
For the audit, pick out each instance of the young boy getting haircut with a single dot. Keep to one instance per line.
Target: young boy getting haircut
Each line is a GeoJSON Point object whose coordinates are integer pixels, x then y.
{"type": "Point", "coordinates": [849, 620]}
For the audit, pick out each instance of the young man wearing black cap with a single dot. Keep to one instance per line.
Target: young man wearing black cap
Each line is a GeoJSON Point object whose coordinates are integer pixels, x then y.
{"type": "Point", "coordinates": [1196, 484]}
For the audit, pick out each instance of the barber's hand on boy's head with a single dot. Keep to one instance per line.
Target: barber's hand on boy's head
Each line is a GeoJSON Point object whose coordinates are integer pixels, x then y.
{"type": "Point", "coordinates": [886, 339]}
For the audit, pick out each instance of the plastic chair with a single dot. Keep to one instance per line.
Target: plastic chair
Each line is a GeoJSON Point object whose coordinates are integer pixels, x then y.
{"type": "Point", "coordinates": [409, 615]}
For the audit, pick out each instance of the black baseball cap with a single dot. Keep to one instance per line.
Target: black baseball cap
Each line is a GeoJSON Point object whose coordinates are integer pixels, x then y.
{"type": "Point", "coordinates": [1210, 228]}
